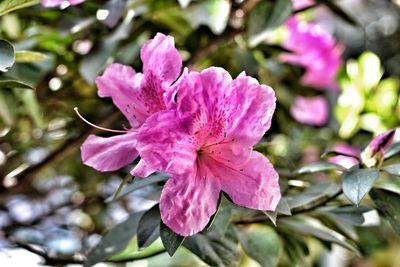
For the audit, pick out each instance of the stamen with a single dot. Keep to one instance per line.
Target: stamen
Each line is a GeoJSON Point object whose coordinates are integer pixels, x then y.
{"type": "Point", "coordinates": [96, 126]}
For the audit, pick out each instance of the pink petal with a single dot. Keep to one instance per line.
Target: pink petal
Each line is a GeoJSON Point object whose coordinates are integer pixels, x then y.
{"type": "Point", "coordinates": [188, 201]}
{"type": "Point", "coordinates": [345, 161]}
{"type": "Point", "coordinates": [143, 169]}
{"type": "Point", "coordinates": [52, 3]}
{"type": "Point", "coordinates": [253, 186]}
{"type": "Point", "coordinates": [300, 4]}
{"type": "Point", "coordinates": [382, 141]}
{"type": "Point", "coordinates": [164, 144]}
{"type": "Point", "coordinates": [312, 110]}
{"type": "Point", "coordinates": [254, 107]}
{"type": "Point", "coordinates": [123, 85]}
{"type": "Point", "coordinates": [109, 154]}
{"type": "Point", "coordinates": [316, 50]}
{"type": "Point", "coordinates": [204, 104]}
{"type": "Point", "coordinates": [161, 59]}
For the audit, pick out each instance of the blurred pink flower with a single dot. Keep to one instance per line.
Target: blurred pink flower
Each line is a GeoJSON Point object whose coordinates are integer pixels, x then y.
{"type": "Point", "coordinates": [314, 49]}
{"type": "Point", "coordinates": [310, 110]}
{"type": "Point", "coordinates": [300, 4]}
{"type": "Point", "coordinates": [373, 154]}
{"type": "Point", "coordinates": [54, 3]}
{"type": "Point", "coordinates": [206, 144]}
{"type": "Point", "coordinates": [137, 96]}
{"type": "Point", "coordinates": [345, 161]}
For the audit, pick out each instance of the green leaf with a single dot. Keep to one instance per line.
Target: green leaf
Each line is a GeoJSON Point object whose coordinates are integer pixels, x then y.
{"type": "Point", "coordinates": [7, 55]}
{"type": "Point", "coordinates": [312, 227]}
{"type": "Point", "coordinates": [149, 227]}
{"type": "Point", "coordinates": [356, 183]}
{"type": "Point", "coordinates": [319, 167]}
{"type": "Point", "coordinates": [213, 13]}
{"type": "Point", "coordinates": [315, 193]}
{"type": "Point", "coordinates": [339, 12]}
{"type": "Point", "coordinates": [348, 214]}
{"type": "Point", "coordinates": [265, 17]}
{"type": "Point", "coordinates": [9, 83]}
{"type": "Point", "coordinates": [392, 169]}
{"type": "Point", "coordinates": [29, 56]}
{"type": "Point", "coordinates": [139, 183]}
{"type": "Point", "coordinates": [282, 208]}
{"type": "Point", "coordinates": [392, 151]}
{"type": "Point", "coordinates": [7, 6]}
{"type": "Point", "coordinates": [114, 240]}
{"type": "Point", "coordinates": [170, 239]}
{"type": "Point", "coordinates": [261, 243]}
{"type": "Point", "coordinates": [214, 249]}
{"type": "Point", "coordinates": [388, 203]}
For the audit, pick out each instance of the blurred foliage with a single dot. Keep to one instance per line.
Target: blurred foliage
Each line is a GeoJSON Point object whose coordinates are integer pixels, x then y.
{"type": "Point", "coordinates": [50, 200]}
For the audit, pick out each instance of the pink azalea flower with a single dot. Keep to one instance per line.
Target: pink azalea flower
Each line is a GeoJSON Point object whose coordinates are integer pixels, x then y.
{"type": "Point", "coordinates": [137, 96]}
{"type": "Point", "coordinates": [54, 3]}
{"type": "Point", "coordinates": [373, 154]}
{"type": "Point", "coordinates": [205, 143]}
{"type": "Point", "coordinates": [310, 110]}
{"type": "Point", "coordinates": [300, 4]}
{"type": "Point", "coordinates": [314, 49]}
{"type": "Point", "coordinates": [345, 161]}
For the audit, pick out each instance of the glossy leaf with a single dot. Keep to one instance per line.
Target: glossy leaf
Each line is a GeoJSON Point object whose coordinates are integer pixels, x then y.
{"type": "Point", "coordinates": [7, 55]}
{"type": "Point", "coordinates": [315, 193]}
{"type": "Point", "coordinates": [114, 240]}
{"type": "Point", "coordinates": [7, 6]}
{"type": "Point", "coordinates": [392, 169]}
{"type": "Point", "coordinates": [29, 56]}
{"type": "Point", "coordinates": [388, 203]}
{"type": "Point", "coordinates": [9, 83]}
{"type": "Point", "coordinates": [312, 227]}
{"type": "Point", "coordinates": [149, 227]}
{"type": "Point", "coordinates": [261, 243]}
{"type": "Point", "coordinates": [319, 167]}
{"type": "Point", "coordinates": [392, 151]}
{"type": "Point", "coordinates": [214, 249]}
{"type": "Point", "coordinates": [170, 239]}
{"type": "Point", "coordinates": [265, 17]}
{"type": "Point", "coordinates": [356, 183]}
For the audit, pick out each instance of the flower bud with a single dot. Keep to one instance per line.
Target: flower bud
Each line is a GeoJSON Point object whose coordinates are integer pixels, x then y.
{"type": "Point", "coordinates": [374, 152]}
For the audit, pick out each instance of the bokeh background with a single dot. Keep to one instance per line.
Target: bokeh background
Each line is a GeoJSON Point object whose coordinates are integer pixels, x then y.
{"type": "Point", "coordinates": [49, 198]}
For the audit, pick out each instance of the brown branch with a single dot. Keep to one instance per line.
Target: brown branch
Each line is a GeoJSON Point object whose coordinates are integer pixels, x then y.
{"type": "Point", "coordinates": [49, 260]}
{"type": "Point", "coordinates": [258, 219]}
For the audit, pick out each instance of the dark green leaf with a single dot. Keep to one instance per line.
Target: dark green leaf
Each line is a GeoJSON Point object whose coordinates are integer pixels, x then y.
{"type": "Point", "coordinates": [265, 17]}
{"type": "Point", "coordinates": [214, 249]}
{"type": "Point", "coordinates": [313, 227]}
{"type": "Point", "coordinates": [392, 169]}
{"type": "Point", "coordinates": [114, 240]}
{"type": "Point", "coordinates": [170, 239]}
{"type": "Point", "coordinates": [348, 214]}
{"type": "Point", "coordinates": [389, 203]}
{"type": "Point", "coordinates": [283, 207]}
{"type": "Point", "coordinates": [7, 55]}
{"type": "Point", "coordinates": [149, 227]}
{"type": "Point", "coordinates": [319, 167]}
{"type": "Point", "coordinates": [261, 243]}
{"type": "Point", "coordinates": [315, 193]}
{"type": "Point", "coordinates": [220, 220]}
{"type": "Point", "coordinates": [392, 151]}
{"type": "Point", "coordinates": [339, 11]}
{"type": "Point", "coordinates": [29, 56]}
{"type": "Point", "coordinates": [9, 83]}
{"type": "Point", "coordinates": [357, 182]}
{"type": "Point", "coordinates": [295, 249]}
{"type": "Point", "coordinates": [7, 6]}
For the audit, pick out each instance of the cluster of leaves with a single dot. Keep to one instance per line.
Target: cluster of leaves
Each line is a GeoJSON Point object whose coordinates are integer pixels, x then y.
{"type": "Point", "coordinates": [61, 62]}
